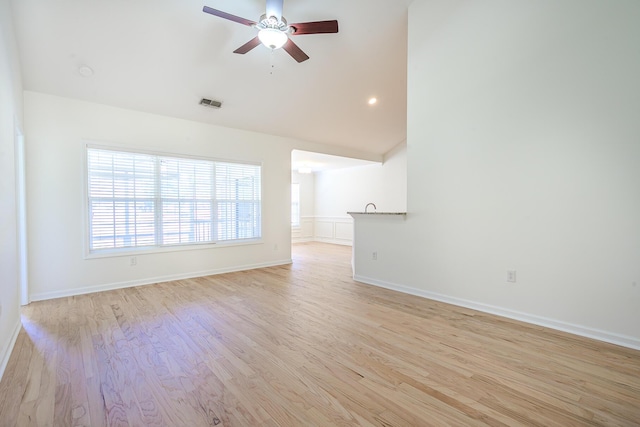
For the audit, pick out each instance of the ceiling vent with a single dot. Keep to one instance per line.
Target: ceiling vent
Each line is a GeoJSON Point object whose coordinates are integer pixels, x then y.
{"type": "Point", "coordinates": [210, 103]}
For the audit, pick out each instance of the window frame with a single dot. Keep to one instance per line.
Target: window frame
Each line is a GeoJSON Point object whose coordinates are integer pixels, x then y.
{"type": "Point", "coordinates": [131, 251]}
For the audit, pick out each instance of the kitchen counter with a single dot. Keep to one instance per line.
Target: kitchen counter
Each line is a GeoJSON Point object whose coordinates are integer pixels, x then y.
{"type": "Point", "coordinates": [377, 213]}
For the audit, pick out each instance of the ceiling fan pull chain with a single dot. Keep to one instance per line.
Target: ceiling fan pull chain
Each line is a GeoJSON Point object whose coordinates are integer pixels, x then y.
{"type": "Point", "coordinates": [271, 62]}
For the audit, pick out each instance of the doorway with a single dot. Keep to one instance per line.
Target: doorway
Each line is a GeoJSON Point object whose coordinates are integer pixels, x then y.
{"type": "Point", "coordinates": [319, 200]}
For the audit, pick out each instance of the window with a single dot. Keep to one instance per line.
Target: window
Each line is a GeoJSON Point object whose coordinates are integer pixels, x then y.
{"type": "Point", "coordinates": [295, 205]}
{"type": "Point", "coordinates": [138, 200]}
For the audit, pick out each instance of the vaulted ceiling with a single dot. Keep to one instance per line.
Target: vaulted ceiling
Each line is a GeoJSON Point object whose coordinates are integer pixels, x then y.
{"type": "Point", "coordinates": [163, 56]}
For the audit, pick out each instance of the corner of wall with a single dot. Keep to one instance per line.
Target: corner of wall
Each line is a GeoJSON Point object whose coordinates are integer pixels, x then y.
{"type": "Point", "coordinates": [5, 352]}
{"type": "Point", "coordinates": [395, 150]}
{"type": "Point", "coordinates": [11, 117]}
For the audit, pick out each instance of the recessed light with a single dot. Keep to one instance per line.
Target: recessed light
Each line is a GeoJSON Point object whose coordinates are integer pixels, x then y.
{"type": "Point", "coordinates": [373, 100]}
{"type": "Point", "coordinates": [85, 71]}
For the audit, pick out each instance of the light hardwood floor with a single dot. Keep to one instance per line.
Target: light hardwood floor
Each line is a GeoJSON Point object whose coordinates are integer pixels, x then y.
{"type": "Point", "coordinates": [303, 345]}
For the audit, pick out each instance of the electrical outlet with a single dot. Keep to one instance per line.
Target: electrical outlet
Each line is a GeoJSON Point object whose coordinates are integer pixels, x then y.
{"type": "Point", "coordinates": [374, 256]}
{"type": "Point", "coordinates": [511, 276]}
{"type": "Point", "coordinates": [133, 261]}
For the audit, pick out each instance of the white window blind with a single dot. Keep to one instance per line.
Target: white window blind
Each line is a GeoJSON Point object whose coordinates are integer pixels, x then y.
{"type": "Point", "coordinates": [145, 200]}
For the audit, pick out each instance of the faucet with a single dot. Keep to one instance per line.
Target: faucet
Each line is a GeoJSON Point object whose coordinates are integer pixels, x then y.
{"type": "Point", "coordinates": [368, 204]}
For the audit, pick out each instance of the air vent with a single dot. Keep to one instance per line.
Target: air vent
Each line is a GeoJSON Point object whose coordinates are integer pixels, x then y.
{"type": "Point", "coordinates": [210, 103]}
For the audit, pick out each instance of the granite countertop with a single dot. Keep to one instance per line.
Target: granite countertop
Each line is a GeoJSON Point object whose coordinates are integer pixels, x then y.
{"type": "Point", "coordinates": [376, 213]}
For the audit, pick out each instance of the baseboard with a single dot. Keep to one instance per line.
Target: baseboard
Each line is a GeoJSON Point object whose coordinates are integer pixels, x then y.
{"type": "Point", "coordinates": [151, 280]}
{"type": "Point", "coordinates": [6, 352]}
{"type": "Point", "coordinates": [334, 241]}
{"type": "Point", "coordinates": [322, 240]}
{"type": "Point", "coordinates": [583, 331]}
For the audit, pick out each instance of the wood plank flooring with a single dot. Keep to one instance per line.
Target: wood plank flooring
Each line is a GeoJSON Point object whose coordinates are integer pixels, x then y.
{"type": "Point", "coordinates": [303, 345]}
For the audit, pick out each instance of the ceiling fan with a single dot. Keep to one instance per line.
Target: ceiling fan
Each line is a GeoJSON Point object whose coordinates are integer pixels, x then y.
{"type": "Point", "coordinates": [274, 32]}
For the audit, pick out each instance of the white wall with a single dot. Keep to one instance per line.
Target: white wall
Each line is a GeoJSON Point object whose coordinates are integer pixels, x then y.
{"type": "Point", "coordinates": [10, 116]}
{"type": "Point", "coordinates": [347, 190]}
{"type": "Point", "coordinates": [524, 154]}
{"type": "Point", "coordinates": [56, 130]}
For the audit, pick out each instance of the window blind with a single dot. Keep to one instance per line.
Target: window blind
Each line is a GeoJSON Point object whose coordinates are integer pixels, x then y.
{"type": "Point", "coordinates": [145, 200]}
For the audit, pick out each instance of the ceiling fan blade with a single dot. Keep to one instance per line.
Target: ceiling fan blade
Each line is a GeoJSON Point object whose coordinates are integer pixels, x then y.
{"type": "Point", "coordinates": [228, 16]}
{"type": "Point", "coordinates": [318, 27]}
{"type": "Point", "coordinates": [274, 8]}
{"type": "Point", "coordinates": [248, 46]}
{"type": "Point", "coordinates": [296, 53]}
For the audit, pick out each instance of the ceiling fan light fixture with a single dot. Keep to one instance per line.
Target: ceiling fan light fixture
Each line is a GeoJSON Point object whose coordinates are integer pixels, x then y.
{"type": "Point", "coordinates": [272, 38]}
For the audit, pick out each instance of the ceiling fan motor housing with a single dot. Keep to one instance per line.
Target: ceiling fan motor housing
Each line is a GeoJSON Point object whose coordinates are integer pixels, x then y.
{"type": "Point", "coordinates": [273, 22]}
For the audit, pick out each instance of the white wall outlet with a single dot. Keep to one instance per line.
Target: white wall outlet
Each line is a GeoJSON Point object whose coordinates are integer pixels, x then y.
{"type": "Point", "coordinates": [133, 261]}
{"type": "Point", "coordinates": [275, 247]}
{"type": "Point", "coordinates": [511, 276]}
{"type": "Point", "coordinates": [374, 256]}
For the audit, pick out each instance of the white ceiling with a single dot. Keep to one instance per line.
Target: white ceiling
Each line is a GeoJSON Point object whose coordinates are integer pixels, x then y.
{"type": "Point", "coordinates": [163, 56]}
{"type": "Point", "coordinates": [318, 162]}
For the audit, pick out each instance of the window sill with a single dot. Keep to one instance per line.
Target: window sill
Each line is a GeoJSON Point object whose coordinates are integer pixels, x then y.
{"type": "Point", "coordinates": [127, 252]}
